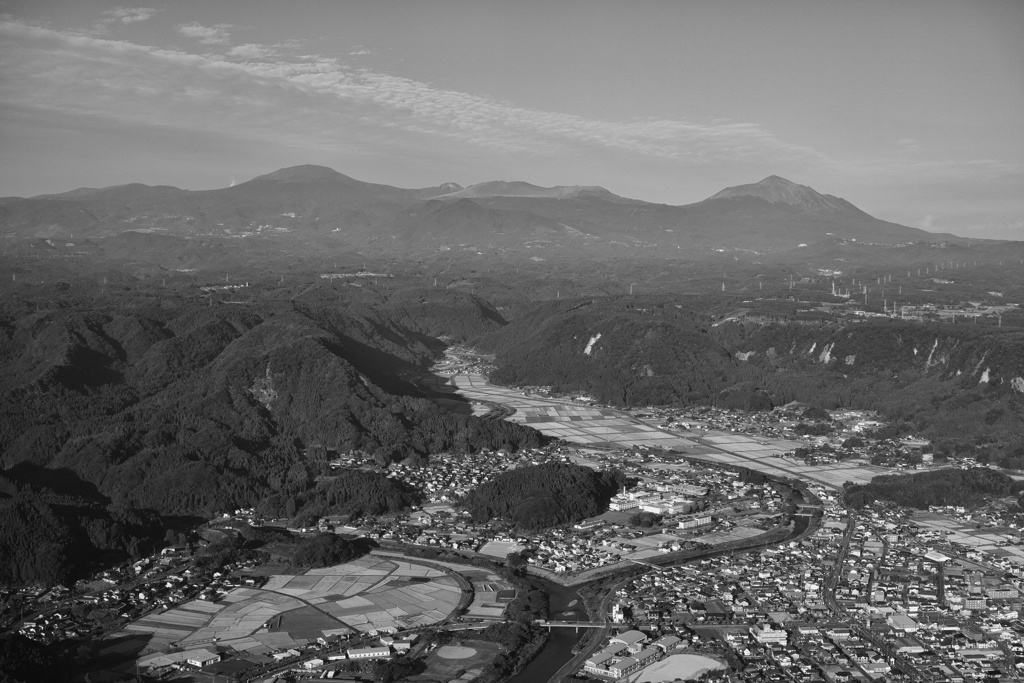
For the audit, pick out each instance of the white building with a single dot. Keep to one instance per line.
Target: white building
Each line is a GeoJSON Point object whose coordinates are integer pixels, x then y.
{"type": "Point", "coordinates": [369, 653]}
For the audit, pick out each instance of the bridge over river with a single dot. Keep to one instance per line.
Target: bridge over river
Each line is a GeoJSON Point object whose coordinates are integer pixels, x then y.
{"type": "Point", "coordinates": [570, 624]}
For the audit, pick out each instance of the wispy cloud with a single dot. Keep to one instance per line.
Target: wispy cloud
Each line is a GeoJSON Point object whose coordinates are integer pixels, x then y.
{"type": "Point", "coordinates": [308, 101]}
{"type": "Point", "coordinates": [252, 51]}
{"type": "Point", "coordinates": [95, 76]}
{"type": "Point", "coordinates": [129, 15]}
{"type": "Point", "coordinates": [207, 35]}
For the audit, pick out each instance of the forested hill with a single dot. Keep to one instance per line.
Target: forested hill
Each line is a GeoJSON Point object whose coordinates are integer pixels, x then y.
{"type": "Point", "coordinates": [622, 351]}
{"type": "Point", "coordinates": [969, 488]}
{"type": "Point", "coordinates": [189, 409]}
{"type": "Point", "coordinates": [53, 526]}
{"type": "Point", "coordinates": [543, 496]}
{"type": "Point", "coordinates": [953, 383]}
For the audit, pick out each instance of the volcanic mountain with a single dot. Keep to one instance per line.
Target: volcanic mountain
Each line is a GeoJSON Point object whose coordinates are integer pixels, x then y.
{"type": "Point", "coordinates": [308, 204]}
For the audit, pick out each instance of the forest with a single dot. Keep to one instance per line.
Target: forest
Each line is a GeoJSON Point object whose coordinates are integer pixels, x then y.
{"type": "Point", "coordinates": [53, 528]}
{"type": "Point", "coordinates": [180, 409]}
{"type": "Point", "coordinates": [961, 386]}
{"type": "Point", "coordinates": [357, 493]}
{"type": "Point", "coordinates": [543, 496]}
{"type": "Point", "coordinates": [967, 488]}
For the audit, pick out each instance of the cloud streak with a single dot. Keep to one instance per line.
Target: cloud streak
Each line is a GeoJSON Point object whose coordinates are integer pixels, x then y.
{"type": "Point", "coordinates": [129, 15]}
{"type": "Point", "coordinates": [207, 35]}
{"type": "Point", "coordinates": [307, 101]}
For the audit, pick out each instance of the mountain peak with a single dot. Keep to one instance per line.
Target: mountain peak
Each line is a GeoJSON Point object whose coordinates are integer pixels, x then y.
{"type": "Point", "coordinates": [504, 188]}
{"type": "Point", "coordinates": [777, 190]}
{"type": "Point", "coordinates": [304, 173]}
{"type": "Point", "coordinates": [777, 181]}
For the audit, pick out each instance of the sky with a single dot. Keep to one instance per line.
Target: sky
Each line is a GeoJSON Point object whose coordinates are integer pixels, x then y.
{"type": "Point", "coordinates": [912, 110]}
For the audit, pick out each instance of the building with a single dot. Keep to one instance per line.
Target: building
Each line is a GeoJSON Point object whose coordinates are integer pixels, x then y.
{"type": "Point", "coordinates": [667, 643]}
{"type": "Point", "coordinates": [633, 640]}
{"type": "Point", "coordinates": [646, 656]}
{"type": "Point", "coordinates": [598, 664]}
{"type": "Point", "coordinates": [901, 622]}
{"type": "Point", "coordinates": [287, 654]}
{"type": "Point", "coordinates": [623, 667]}
{"type": "Point", "coordinates": [620, 503]}
{"type": "Point", "coordinates": [694, 521]}
{"type": "Point", "coordinates": [202, 657]}
{"type": "Point", "coordinates": [369, 653]}
{"type": "Point", "coordinates": [765, 634]}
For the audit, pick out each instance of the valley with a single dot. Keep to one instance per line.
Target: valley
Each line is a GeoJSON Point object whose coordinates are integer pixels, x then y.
{"type": "Point", "coordinates": [227, 415]}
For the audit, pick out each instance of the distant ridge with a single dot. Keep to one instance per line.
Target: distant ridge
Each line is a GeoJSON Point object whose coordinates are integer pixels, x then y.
{"type": "Point", "coordinates": [307, 204]}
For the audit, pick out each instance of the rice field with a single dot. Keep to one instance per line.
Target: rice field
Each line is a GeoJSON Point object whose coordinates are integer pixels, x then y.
{"type": "Point", "coordinates": [604, 427]}
{"type": "Point", "coordinates": [368, 594]}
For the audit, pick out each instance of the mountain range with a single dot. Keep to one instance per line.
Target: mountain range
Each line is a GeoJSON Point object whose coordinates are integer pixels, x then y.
{"type": "Point", "coordinates": [316, 203]}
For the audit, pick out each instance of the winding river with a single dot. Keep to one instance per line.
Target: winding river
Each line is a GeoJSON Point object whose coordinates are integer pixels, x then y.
{"type": "Point", "coordinates": [563, 605]}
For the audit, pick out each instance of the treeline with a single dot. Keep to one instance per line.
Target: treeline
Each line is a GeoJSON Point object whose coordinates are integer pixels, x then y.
{"type": "Point", "coordinates": [968, 488]}
{"type": "Point", "coordinates": [542, 496]}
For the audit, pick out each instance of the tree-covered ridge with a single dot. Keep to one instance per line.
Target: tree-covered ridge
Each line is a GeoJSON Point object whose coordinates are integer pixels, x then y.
{"type": "Point", "coordinates": [190, 409]}
{"type": "Point", "coordinates": [946, 382]}
{"type": "Point", "coordinates": [642, 353]}
{"type": "Point", "coordinates": [542, 496]}
{"type": "Point", "coordinates": [968, 488]}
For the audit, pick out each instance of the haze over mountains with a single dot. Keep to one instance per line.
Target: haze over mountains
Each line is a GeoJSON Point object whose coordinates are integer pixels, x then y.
{"type": "Point", "coordinates": [315, 202]}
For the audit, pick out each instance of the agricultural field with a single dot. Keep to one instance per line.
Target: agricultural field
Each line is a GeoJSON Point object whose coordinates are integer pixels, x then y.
{"type": "Point", "coordinates": [491, 594]}
{"type": "Point", "coordinates": [368, 594]}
